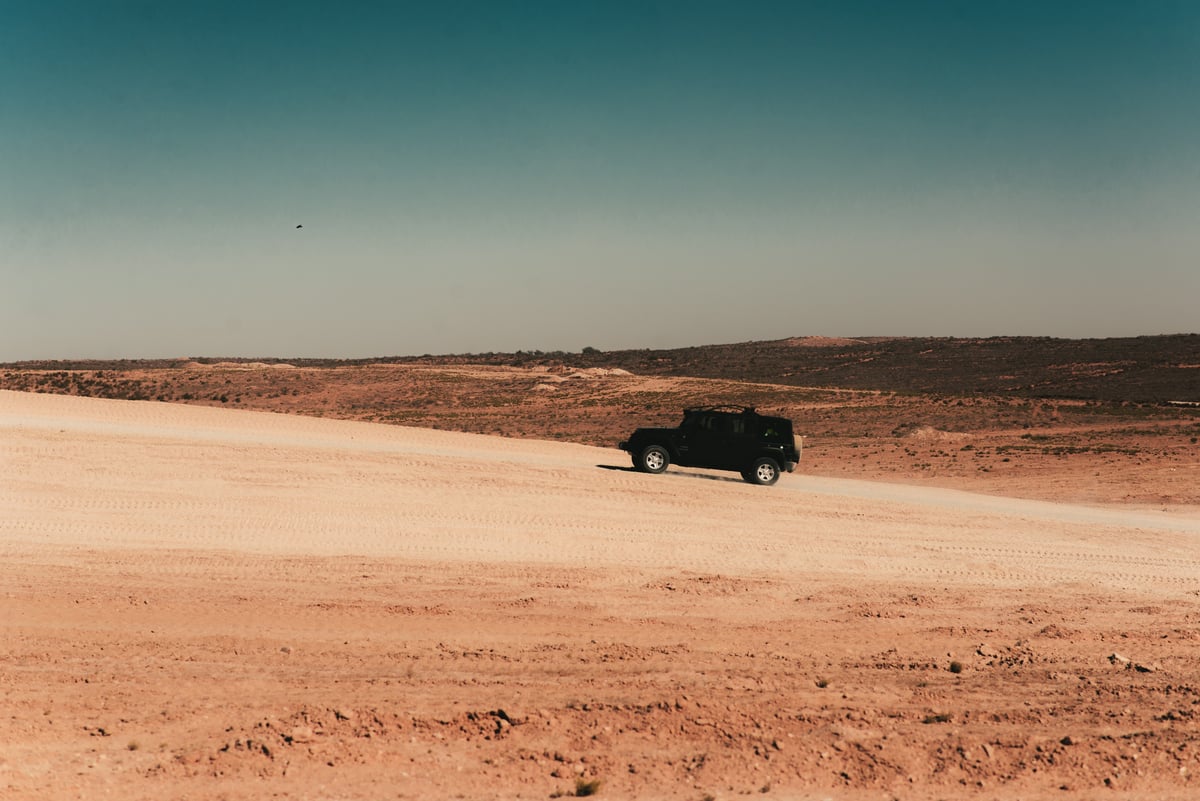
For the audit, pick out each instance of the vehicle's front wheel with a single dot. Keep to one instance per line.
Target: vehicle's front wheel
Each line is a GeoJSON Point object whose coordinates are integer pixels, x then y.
{"type": "Point", "coordinates": [764, 471]}
{"type": "Point", "coordinates": [653, 459]}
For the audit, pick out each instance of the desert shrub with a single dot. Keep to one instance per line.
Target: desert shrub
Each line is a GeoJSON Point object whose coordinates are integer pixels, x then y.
{"type": "Point", "coordinates": [584, 787]}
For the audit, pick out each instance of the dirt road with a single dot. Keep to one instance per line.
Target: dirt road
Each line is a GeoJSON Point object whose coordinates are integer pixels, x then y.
{"type": "Point", "coordinates": [208, 603]}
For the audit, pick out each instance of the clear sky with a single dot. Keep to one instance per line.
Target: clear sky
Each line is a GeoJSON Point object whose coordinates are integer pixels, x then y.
{"type": "Point", "coordinates": [494, 176]}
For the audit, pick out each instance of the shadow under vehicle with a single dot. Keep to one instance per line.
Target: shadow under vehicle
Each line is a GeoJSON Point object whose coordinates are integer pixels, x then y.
{"type": "Point", "coordinates": [721, 438]}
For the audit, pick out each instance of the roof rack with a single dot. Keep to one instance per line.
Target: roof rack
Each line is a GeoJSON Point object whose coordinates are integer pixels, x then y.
{"type": "Point", "coordinates": [724, 407]}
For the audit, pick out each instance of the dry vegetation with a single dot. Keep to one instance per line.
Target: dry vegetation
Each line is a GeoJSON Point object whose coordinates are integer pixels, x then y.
{"type": "Point", "coordinates": [1020, 416]}
{"type": "Point", "coordinates": [231, 606]}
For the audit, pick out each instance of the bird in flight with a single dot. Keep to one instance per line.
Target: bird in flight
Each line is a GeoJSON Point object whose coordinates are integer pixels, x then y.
{"type": "Point", "coordinates": [299, 226]}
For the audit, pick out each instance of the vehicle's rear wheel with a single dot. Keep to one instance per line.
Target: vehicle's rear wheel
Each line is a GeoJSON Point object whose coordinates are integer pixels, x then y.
{"type": "Point", "coordinates": [653, 459]}
{"type": "Point", "coordinates": [764, 471]}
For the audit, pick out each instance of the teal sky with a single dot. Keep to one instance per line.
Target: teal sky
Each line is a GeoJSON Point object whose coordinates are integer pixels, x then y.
{"type": "Point", "coordinates": [492, 176]}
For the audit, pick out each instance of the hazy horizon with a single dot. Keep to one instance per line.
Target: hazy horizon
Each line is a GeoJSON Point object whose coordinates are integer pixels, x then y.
{"type": "Point", "coordinates": [487, 176]}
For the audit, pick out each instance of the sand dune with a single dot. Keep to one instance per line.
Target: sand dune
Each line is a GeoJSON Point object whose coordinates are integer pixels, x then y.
{"type": "Point", "coordinates": [250, 519]}
{"type": "Point", "coordinates": [85, 472]}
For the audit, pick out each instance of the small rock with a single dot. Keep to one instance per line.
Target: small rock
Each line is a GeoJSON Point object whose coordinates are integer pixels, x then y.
{"type": "Point", "coordinates": [1118, 659]}
{"type": "Point", "coordinates": [987, 749]}
{"type": "Point", "coordinates": [986, 650]}
{"type": "Point", "coordinates": [287, 649]}
{"type": "Point", "coordinates": [1068, 740]}
{"type": "Point", "coordinates": [1140, 668]}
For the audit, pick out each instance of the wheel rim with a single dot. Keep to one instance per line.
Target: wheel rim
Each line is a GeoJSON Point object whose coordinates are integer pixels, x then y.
{"type": "Point", "coordinates": [765, 472]}
{"type": "Point", "coordinates": [655, 460]}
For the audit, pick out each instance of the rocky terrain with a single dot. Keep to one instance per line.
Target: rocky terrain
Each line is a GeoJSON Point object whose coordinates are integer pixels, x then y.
{"type": "Point", "coordinates": [958, 595]}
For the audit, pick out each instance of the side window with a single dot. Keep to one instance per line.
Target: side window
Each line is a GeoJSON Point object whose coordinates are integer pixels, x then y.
{"type": "Point", "coordinates": [738, 425]}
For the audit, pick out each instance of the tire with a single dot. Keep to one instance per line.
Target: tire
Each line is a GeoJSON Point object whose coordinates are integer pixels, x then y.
{"type": "Point", "coordinates": [653, 459]}
{"type": "Point", "coordinates": [764, 471]}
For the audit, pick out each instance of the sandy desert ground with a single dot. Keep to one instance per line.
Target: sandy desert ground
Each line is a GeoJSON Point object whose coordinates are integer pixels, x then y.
{"type": "Point", "coordinates": [209, 603]}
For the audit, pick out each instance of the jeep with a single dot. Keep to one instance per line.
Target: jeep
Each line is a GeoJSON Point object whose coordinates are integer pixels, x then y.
{"type": "Point", "coordinates": [721, 438]}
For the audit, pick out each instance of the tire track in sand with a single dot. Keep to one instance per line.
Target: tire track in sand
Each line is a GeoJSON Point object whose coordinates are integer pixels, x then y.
{"type": "Point", "coordinates": [137, 475]}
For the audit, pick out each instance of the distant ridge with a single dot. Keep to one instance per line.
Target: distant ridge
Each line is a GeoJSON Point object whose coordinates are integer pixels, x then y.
{"type": "Point", "coordinates": [1145, 369]}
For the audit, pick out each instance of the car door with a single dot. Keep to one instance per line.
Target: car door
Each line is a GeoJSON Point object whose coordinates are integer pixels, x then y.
{"type": "Point", "coordinates": [741, 445]}
{"type": "Point", "coordinates": [713, 443]}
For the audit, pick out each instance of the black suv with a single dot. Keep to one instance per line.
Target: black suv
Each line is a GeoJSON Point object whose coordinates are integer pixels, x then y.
{"type": "Point", "coordinates": [719, 437]}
